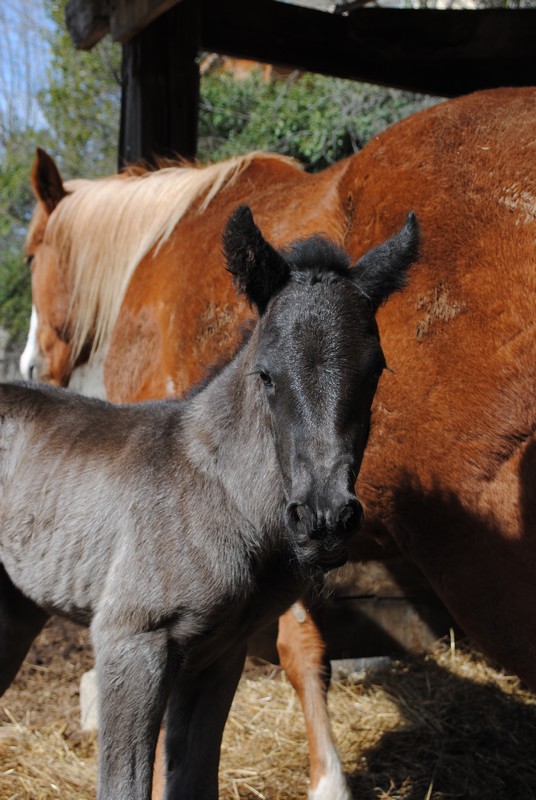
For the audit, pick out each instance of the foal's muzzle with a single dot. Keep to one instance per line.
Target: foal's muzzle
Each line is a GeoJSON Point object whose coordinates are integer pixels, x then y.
{"type": "Point", "coordinates": [324, 532]}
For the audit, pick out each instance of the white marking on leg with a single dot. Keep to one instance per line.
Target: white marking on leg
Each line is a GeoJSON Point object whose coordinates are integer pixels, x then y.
{"type": "Point", "coordinates": [332, 785]}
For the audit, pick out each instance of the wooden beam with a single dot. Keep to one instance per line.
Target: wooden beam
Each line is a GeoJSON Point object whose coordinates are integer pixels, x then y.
{"type": "Point", "coordinates": [160, 96]}
{"type": "Point", "coordinates": [437, 52]}
{"type": "Point", "coordinates": [87, 22]}
{"type": "Point", "coordinates": [129, 17]}
{"type": "Point", "coordinates": [381, 626]}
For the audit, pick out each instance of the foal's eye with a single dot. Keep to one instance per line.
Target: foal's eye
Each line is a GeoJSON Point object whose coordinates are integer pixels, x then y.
{"type": "Point", "coordinates": [265, 377]}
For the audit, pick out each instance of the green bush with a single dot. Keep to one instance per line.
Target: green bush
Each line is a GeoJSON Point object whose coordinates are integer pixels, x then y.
{"type": "Point", "coordinates": [16, 203]}
{"type": "Point", "coordinates": [81, 102]}
{"type": "Point", "coordinates": [313, 118]}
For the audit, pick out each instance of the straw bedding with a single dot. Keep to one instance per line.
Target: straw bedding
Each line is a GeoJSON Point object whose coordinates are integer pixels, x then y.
{"type": "Point", "coordinates": [448, 725]}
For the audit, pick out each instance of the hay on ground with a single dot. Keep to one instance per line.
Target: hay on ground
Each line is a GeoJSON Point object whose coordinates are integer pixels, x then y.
{"type": "Point", "coordinates": [442, 726]}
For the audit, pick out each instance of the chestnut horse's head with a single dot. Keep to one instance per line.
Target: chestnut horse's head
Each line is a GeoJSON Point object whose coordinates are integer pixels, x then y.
{"type": "Point", "coordinates": [47, 355]}
{"type": "Point", "coordinates": [87, 239]}
{"type": "Point", "coordinates": [317, 357]}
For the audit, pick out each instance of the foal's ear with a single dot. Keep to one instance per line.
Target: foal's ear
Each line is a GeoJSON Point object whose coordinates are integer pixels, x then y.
{"type": "Point", "coordinates": [382, 270]}
{"type": "Point", "coordinates": [46, 181]}
{"type": "Point", "coordinates": [257, 268]}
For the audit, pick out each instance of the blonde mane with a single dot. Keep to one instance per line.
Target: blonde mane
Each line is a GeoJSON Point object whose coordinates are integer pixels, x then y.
{"type": "Point", "coordinates": [105, 227]}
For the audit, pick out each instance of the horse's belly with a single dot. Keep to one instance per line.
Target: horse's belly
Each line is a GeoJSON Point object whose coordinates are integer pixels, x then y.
{"type": "Point", "coordinates": [54, 545]}
{"type": "Point", "coordinates": [54, 567]}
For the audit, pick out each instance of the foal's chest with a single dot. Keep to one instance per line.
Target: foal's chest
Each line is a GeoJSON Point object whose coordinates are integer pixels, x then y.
{"type": "Point", "coordinates": [232, 622]}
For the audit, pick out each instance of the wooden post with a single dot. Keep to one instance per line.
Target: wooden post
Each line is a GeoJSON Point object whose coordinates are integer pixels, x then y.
{"type": "Point", "coordinates": [160, 94]}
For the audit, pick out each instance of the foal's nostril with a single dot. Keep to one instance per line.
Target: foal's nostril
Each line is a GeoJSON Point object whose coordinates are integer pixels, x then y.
{"type": "Point", "coordinates": [343, 522]}
{"type": "Point", "coordinates": [298, 512]}
{"type": "Point", "coordinates": [291, 516]}
{"type": "Point", "coordinates": [352, 516]}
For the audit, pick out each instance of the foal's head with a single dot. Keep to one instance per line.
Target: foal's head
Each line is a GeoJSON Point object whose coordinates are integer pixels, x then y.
{"type": "Point", "coordinates": [318, 360]}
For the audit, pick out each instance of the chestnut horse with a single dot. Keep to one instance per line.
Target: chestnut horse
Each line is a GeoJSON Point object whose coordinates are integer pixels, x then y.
{"type": "Point", "coordinates": [448, 477]}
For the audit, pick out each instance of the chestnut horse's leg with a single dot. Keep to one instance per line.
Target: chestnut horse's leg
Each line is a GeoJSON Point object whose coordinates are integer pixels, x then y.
{"type": "Point", "coordinates": [20, 622]}
{"type": "Point", "coordinates": [196, 715]}
{"type": "Point", "coordinates": [133, 682]}
{"type": "Point", "coordinates": [159, 771]}
{"type": "Point", "coordinates": [302, 654]}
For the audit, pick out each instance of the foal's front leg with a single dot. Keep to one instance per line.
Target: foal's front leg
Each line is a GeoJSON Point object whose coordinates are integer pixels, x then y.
{"type": "Point", "coordinates": [132, 678]}
{"type": "Point", "coordinates": [197, 712]}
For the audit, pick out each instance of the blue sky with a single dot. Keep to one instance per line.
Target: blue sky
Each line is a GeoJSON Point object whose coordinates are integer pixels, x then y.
{"type": "Point", "coordinates": [23, 61]}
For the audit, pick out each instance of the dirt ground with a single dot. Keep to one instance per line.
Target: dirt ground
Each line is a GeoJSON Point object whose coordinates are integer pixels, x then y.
{"type": "Point", "coordinates": [448, 725]}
